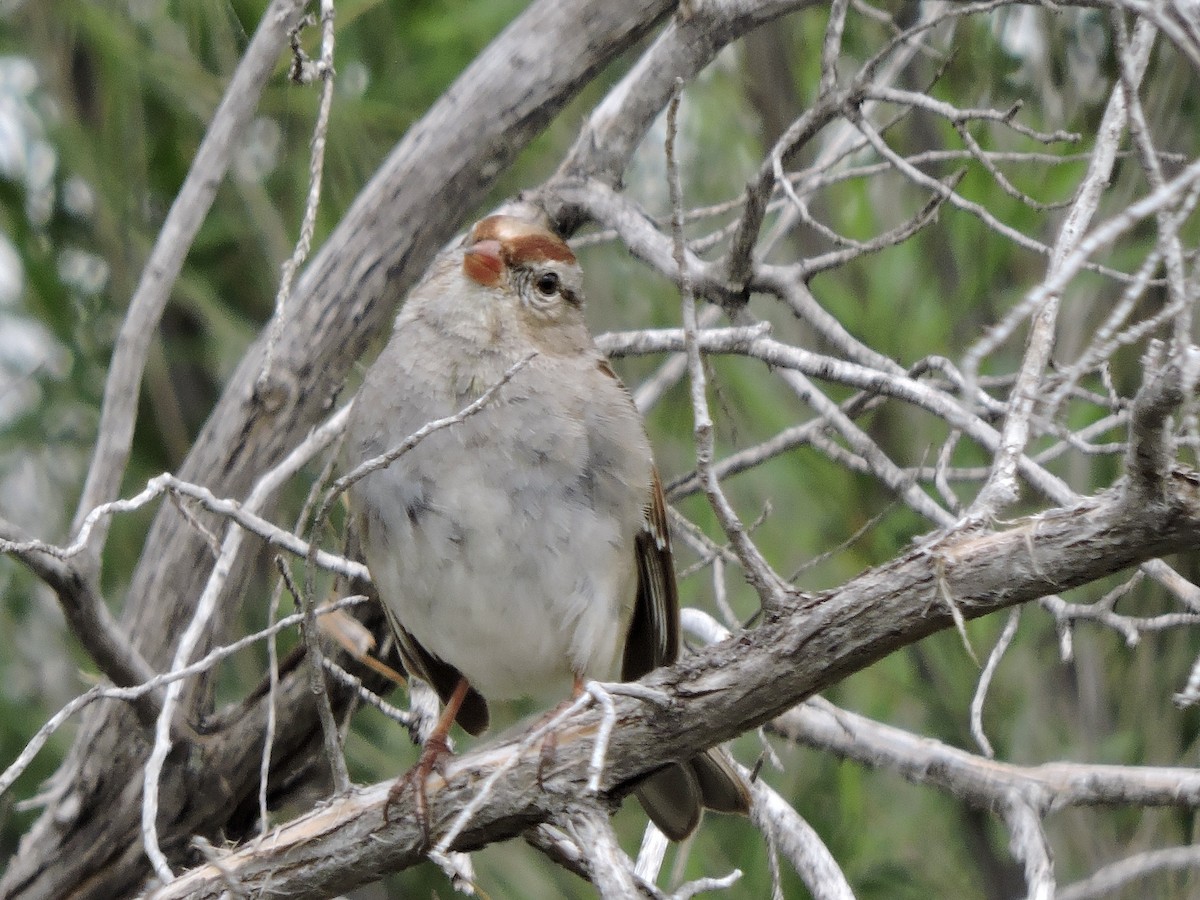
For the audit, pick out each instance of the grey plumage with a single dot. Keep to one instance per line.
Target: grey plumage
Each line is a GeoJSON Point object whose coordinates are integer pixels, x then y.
{"type": "Point", "coordinates": [525, 547]}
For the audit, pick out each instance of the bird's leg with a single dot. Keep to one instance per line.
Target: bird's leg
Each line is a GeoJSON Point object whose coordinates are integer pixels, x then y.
{"type": "Point", "coordinates": [436, 748]}
{"type": "Point", "coordinates": [550, 741]}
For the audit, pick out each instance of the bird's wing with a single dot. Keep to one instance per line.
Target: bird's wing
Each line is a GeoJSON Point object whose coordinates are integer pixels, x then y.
{"type": "Point", "coordinates": [653, 638]}
{"type": "Point", "coordinates": [654, 631]}
{"type": "Point", "coordinates": [441, 676]}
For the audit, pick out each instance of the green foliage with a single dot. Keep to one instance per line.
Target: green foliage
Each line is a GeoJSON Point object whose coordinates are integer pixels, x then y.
{"type": "Point", "coordinates": [124, 96]}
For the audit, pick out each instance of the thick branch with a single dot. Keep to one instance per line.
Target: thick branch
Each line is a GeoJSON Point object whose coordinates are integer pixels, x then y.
{"type": "Point", "coordinates": [690, 42]}
{"type": "Point", "coordinates": [728, 688]}
{"type": "Point", "coordinates": [187, 213]}
{"type": "Point", "coordinates": [432, 180]}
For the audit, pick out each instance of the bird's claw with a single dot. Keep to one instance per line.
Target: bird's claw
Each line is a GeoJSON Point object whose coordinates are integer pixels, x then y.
{"type": "Point", "coordinates": [432, 759]}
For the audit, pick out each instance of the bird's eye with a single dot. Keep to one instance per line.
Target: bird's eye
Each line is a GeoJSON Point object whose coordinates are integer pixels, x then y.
{"type": "Point", "coordinates": [547, 284]}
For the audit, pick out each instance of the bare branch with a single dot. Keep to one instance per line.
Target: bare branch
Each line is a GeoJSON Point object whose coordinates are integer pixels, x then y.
{"type": "Point", "coordinates": [122, 387]}
{"type": "Point", "coordinates": [1030, 845]}
{"type": "Point", "coordinates": [87, 614]}
{"type": "Point", "coordinates": [610, 869]}
{"type": "Point", "coordinates": [789, 834]}
{"type": "Point", "coordinates": [133, 693]}
{"type": "Point", "coordinates": [885, 151]}
{"type": "Point", "coordinates": [734, 686]}
{"type": "Point", "coordinates": [265, 388]}
{"type": "Point", "coordinates": [1000, 490]}
{"type": "Point", "coordinates": [983, 782]}
{"type": "Point", "coordinates": [1150, 447]}
{"type": "Point", "coordinates": [985, 681]}
{"type": "Point", "coordinates": [686, 45]}
{"type": "Point", "coordinates": [770, 586]}
{"type": "Point", "coordinates": [1113, 877]}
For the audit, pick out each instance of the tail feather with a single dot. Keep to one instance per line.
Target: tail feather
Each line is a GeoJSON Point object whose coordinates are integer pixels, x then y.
{"type": "Point", "coordinates": [674, 797]}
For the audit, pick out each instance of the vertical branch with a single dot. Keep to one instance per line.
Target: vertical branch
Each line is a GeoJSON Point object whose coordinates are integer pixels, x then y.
{"type": "Point", "coordinates": [769, 586]}
{"type": "Point", "coordinates": [201, 618]}
{"type": "Point", "coordinates": [316, 677]}
{"type": "Point", "coordinates": [308, 622]}
{"type": "Point", "coordinates": [1000, 489]}
{"type": "Point", "coordinates": [985, 682]}
{"type": "Point", "coordinates": [268, 388]}
{"type": "Point", "coordinates": [831, 48]}
{"type": "Point", "coordinates": [1029, 844]}
{"type": "Point", "coordinates": [611, 871]}
{"type": "Point", "coordinates": [789, 834]}
{"type": "Point", "coordinates": [264, 765]}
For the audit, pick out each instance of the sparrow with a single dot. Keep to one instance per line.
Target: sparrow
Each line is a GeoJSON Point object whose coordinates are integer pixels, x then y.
{"type": "Point", "coordinates": [524, 550]}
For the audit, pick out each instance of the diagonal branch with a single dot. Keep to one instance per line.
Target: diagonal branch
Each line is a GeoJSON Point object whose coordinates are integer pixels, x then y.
{"type": "Point", "coordinates": [729, 688]}
{"type": "Point", "coordinates": [121, 389]}
{"type": "Point", "coordinates": [446, 163]}
{"type": "Point", "coordinates": [88, 616]}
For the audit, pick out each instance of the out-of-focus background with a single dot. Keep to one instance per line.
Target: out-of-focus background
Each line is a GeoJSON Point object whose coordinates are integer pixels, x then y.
{"type": "Point", "coordinates": [102, 107]}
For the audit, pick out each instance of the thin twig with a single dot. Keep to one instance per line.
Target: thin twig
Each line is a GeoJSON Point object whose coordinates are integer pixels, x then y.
{"type": "Point", "coordinates": [985, 681]}
{"type": "Point", "coordinates": [133, 693]}
{"type": "Point", "coordinates": [1108, 880]}
{"type": "Point", "coordinates": [268, 388]}
{"type": "Point", "coordinates": [770, 586]}
{"type": "Point", "coordinates": [334, 753]}
{"type": "Point", "coordinates": [119, 408]}
{"type": "Point", "coordinates": [1000, 489]}
{"type": "Point", "coordinates": [198, 626]}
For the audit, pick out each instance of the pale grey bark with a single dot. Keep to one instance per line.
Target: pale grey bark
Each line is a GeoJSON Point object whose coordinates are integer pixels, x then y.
{"type": "Point", "coordinates": [415, 202]}
{"type": "Point", "coordinates": [750, 679]}
{"type": "Point", "coordinates": [87, 842]}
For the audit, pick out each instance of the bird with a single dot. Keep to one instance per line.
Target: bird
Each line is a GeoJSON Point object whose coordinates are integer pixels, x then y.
{"type": "Point", "coordinates": [523, 550]}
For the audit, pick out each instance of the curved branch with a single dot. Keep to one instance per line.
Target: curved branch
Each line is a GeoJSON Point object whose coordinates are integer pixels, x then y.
{"type": "Point", "coordinates": [445, 163]}
{"type": "Point", "coordinates": [686, 45]}
{"type": "Point", "coordinates": [121, 389]}
{"type": "Point", "coordinates": [89, 619]}
{"type": "Point", "coordinates": [728, 688]}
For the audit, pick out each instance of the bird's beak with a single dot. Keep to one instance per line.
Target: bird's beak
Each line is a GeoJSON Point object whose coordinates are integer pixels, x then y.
{"type": "Point", "coordinates": [482, 262]}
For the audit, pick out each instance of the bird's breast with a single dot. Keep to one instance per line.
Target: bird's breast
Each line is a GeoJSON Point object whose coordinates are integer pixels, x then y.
{"type": "Point", "coordinates": [505, 543]}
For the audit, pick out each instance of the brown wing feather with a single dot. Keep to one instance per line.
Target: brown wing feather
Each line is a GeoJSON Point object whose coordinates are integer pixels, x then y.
{"type": "Point", "coordinates": [674, 795]}
{"type": "Point", "coordinates": [441, 676]}
{"type": "Point", "coordinates": [653, 639]}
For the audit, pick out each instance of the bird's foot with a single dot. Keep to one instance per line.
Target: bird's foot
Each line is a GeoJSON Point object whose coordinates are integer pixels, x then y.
{"type": "Point", "coordinates": [433, 757]}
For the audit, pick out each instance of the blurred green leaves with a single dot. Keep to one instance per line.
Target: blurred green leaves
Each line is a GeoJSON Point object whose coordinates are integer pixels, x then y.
{"type": "Point", "coordinates": [123, 94]}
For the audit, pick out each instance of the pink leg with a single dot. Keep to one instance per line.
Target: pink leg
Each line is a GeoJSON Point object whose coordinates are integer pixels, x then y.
{"type": "Point", "coordinates": [436, 748]}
